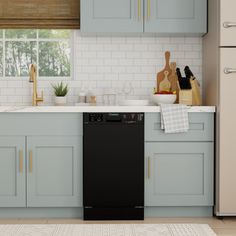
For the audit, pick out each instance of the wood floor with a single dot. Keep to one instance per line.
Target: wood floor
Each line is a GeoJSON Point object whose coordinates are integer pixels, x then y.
{"type": "Point", "coordinates": [225, 227]}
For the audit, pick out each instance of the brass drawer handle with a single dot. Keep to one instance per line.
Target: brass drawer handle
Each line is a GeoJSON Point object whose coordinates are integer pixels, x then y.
{"type": "Point", "coordinates": [149, 168]}
{"type": "Point", "coordinates": [139, 9]}
{"type": "Point", "coordinates": [21, 161]}
{"type": "Point", "coordinates": [30, 161]}
{"type": "Point", "coordinates": [148, 9]}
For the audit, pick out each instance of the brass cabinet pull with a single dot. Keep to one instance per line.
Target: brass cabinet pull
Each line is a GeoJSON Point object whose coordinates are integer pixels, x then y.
{"type": "Point", "coordinates": [21, 161]}
{"type": "Point", "coordinates": [30, 161]}
{"type": "Point", "coordinates": [149, 168]}
{"type": "Point", "coordinates": [149, 9]}
{"type": "Point", "coordinates": [139, 9]}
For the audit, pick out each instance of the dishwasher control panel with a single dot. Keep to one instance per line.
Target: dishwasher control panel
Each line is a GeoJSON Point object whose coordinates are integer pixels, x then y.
{"type": "Point", "coordinates": [127, 118]}
{"type": "Point", "coordinates": [95, 117]}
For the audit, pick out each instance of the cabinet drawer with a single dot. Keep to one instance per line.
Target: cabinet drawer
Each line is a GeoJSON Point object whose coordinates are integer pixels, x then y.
{"type": "Point", "coordinates": [41, 124]}
{"type": "Point", "coordinates": [201, 128]}
{"type": "Point", "coordinates": [227, 18]}
{"type": "Point", "coordinates": [179, 174]}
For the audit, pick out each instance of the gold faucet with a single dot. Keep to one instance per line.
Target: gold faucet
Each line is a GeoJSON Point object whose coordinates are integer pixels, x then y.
{"type": "Point", "coordinates": [33, 79]}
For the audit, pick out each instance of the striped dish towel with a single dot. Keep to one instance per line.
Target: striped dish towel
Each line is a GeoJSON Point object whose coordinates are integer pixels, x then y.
{"type": "Point", "coordinates": [174, 118]}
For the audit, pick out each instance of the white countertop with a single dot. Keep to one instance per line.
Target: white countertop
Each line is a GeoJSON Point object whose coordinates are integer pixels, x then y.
{"type": "Point", "coordinates": [74, 109]}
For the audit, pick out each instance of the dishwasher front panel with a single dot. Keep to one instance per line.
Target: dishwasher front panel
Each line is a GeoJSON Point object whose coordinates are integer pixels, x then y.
{"type": "Point", "coordinates": [113, 175]}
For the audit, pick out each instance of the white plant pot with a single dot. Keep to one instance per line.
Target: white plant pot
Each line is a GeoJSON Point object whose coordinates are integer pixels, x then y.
{"type": "Point", "coordinates": [60, 101]}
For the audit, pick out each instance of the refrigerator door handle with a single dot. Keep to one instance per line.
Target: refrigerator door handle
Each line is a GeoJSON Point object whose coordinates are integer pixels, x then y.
{"type": "Point", "coordinates": [229, 24]}
{"type": "Point", "coordinates": [229, 71]}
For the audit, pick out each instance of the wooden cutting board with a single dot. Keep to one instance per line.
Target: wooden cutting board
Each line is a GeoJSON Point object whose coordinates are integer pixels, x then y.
{"type": "Point", "coordinates": [161, 74]}
{"type": "Point", "coordinates": [173, 78]}
{"type": "Point", "coordinates": [165, 84]}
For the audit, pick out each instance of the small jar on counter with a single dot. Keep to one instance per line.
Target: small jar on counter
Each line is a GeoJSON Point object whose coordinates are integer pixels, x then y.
{"type": "Point", "coordinates": [90, 97]}
{"type": "Point", "coordinates": [82, 96]}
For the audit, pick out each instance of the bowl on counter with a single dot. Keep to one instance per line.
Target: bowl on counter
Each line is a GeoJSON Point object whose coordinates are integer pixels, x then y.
{"type": "Point", "coordinates": [164, 98]}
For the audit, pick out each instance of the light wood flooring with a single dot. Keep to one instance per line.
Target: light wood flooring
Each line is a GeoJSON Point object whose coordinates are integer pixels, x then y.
{"type": "Point", "coordinates": [225, 227]}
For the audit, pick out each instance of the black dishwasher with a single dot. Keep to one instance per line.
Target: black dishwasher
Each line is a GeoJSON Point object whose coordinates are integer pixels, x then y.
{"type": "Point", "coordinates": [113, 166]}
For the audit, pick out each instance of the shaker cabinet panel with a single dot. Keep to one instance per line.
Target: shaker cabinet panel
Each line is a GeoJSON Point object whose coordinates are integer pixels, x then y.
{"type": "Point", "coordinates": [151, 16]}
{"type": "Point", "coordinates": [12, 171]}
{"type": "Point", "coordinates": [111, 15]}
{"type": "Point", "coordinates": [201, 128]}
{"type": "Point", "coordinates": [176, 16]}
{"type": "Point", "coordinates": [54, 171]}
{"type": "Point", "coordinates": [227, 23]}
{"type": "Point", "coordinates": [179, 174]}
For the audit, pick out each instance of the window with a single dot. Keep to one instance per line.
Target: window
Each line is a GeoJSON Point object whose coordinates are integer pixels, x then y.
{"type": "Point", "coordinates": [49, 49]}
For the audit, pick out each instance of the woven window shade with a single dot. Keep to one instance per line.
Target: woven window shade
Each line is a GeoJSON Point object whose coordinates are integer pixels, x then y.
{"type": "Point", "coordinates": [56, 14]}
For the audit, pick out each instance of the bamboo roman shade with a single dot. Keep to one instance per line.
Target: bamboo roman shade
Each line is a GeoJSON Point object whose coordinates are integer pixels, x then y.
{"type": "Point", "coordinates": [56, 14]}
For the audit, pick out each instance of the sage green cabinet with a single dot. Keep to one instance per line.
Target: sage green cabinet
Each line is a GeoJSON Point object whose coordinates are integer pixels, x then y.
{"type": "Point", "coordinates": [176, 16]}
{"type": "Point", "coordinates": [151, 16]}
{"type": "Point", "coordinates": [41, 160]}
{"type": "Point", "coordinates": [201, 128]}
{"type": "Point", "coordinates": [179, 168]}
{"type": "Point", "coordinates": [111, 15]}
{"type": "Point", "coordinates": [54, 171]}
{"type": "Point", "coordinates": [12, 171]}
{"type": "Point", "coordinates": [179, 174]}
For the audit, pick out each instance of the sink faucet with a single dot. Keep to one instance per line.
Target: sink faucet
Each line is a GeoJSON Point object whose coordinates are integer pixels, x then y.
{"type": "Point", "coordinates": [33, 79]}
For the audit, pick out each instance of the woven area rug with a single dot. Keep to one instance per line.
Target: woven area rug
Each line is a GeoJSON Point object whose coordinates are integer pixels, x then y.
{"type": "Point", "coordinates": [107, 230]}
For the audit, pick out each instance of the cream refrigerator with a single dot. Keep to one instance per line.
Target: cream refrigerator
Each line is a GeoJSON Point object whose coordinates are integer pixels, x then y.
{"type": "Point", "coordinates": [219, 72]}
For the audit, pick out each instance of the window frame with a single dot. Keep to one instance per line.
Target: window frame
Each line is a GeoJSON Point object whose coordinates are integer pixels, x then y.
{"type": "Point", "coordinates": [37, 40]}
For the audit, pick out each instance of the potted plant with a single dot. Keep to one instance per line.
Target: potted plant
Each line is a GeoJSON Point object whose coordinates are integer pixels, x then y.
{"type": "Point", "coordinates": [60, 91]}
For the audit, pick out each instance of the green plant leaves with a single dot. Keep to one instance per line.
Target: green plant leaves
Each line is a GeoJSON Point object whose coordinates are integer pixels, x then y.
{"type": "Point", "coordinates": [60, 90]}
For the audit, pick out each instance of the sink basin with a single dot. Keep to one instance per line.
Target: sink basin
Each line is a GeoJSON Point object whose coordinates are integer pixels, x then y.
{"type": "Point", "coordinates": [134, 102]}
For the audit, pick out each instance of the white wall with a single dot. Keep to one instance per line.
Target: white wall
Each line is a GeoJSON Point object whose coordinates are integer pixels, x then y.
{"type": "Point", "coordinates": [109, 62]}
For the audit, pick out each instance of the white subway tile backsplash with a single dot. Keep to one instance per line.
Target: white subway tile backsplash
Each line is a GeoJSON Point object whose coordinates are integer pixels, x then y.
{"type": "Point", "coordinates": [192, 55]}
{"type": "Point", "coordinates": [8, 91]}
{"type": "Point", "coordinates": [195, 40]}
{"type": "Point", "coordinates": [112, 47]}
{"type": "Point", "coordinates": [89, 54]}
{"type": "Point", "coordinates": [118, 69]}
{"type": "Point", "coordinates": [111, 62]}
{"type": "Point", "coordinates": [104, 54]}
{"type": "Point", "coordinates": [126, 77]}
{"type": "Point", "coordinates": [133, 69]}
{"type": "Point", "coordinates": [103, 69]}
{"type": "Point", "coordinates": [118, 55]}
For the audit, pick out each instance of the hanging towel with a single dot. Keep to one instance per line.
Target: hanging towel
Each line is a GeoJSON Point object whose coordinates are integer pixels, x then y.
{"type": "Point", "coordinates": [174, 118]}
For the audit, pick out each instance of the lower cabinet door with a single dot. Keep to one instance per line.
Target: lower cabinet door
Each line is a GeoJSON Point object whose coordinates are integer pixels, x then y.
{"type": "Point", "coordinates": [54, 171]}
{"type": "Point", "coordinates": [12, 171]}
{"type": "Point", "coordinates": [179, 174]}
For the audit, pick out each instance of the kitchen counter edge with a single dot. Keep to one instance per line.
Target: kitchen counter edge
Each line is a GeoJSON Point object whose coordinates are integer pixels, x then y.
{"type": "Point", "coordinates": [96, 109]}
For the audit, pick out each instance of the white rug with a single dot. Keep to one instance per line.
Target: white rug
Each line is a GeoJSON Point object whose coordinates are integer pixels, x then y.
{"type": "Point", "coordinates": [107, 230]}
